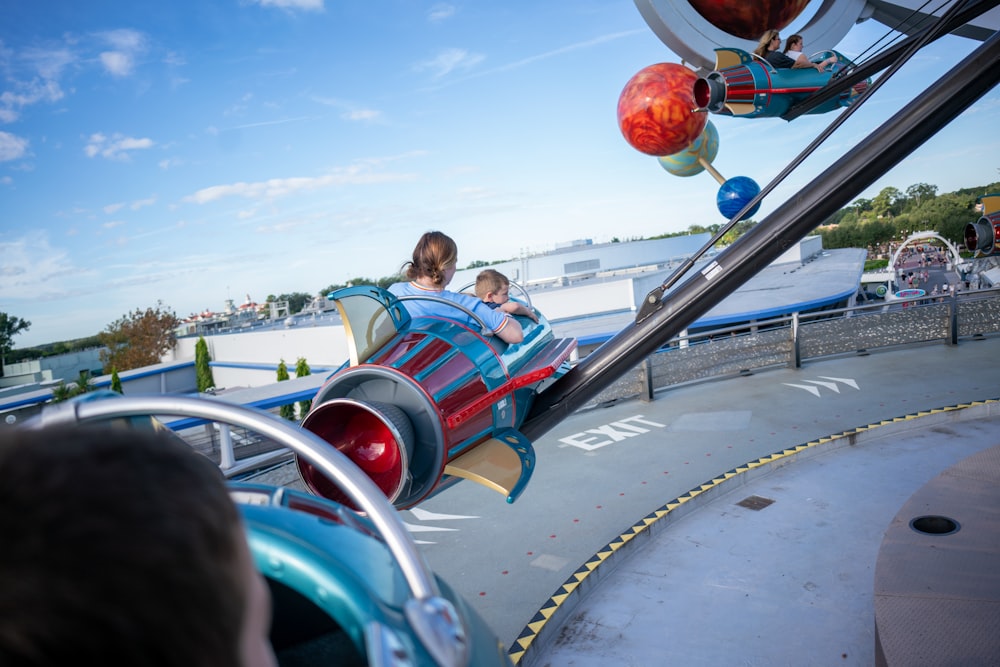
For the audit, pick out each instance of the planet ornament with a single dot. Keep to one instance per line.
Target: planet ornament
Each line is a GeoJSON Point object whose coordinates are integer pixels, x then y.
{"type": "Point", "coordinates": [749, 20]}
{"type": "Point", "coordinates": [656, 110]}
{"type": "Point", "coordinates": [735, 194]}
{"type": "Point", "coordinates": [694, 158]}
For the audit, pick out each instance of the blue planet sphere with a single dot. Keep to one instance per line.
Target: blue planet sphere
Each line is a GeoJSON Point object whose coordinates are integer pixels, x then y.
{"type": "Point", "coordinates": [734, 194]}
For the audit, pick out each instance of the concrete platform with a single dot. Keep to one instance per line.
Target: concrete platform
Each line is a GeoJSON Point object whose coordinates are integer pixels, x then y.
{"type": "Point", "coordinates": [780, 568]}
{"type": "Point", "coordinates": [630, 545]}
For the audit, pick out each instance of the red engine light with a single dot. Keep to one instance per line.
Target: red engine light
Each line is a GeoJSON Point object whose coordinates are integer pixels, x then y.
{"type": "Point", "coordinates": [371, 445]}
{"type": "Point", "coordinates": [375, 437]}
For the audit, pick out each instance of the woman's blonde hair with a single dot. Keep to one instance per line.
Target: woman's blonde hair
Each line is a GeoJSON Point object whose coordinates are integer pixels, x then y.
{"type": "Point", "coordinates": [433, 253]}
{"type": "Point", "coordinates": [765, 41]}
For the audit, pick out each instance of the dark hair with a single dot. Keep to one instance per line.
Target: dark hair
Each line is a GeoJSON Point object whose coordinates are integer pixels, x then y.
{"type": "Point", "coordinates": [792, 39]}
{"type": "Point", "coordinates": [120, 547]}
{"type": "Point", "coordinates": [433, 253]}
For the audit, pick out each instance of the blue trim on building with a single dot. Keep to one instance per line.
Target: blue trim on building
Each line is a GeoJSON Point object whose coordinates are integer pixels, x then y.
{"type": "Point", "coordinates": [262, 367]}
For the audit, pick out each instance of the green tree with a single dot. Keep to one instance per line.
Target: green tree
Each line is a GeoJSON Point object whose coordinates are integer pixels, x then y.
{"type": "Point", "coordinates": [738, 230]}
{"type": "Point", "coordinates": [862, 205]}
{"type": "Point", "coordinates": [919, 193]}
{"type": "Point", "coordinates": [385, 281]}
{"type": "Point", "coordinates": [9, 327]}
{"type": "Point", "coordinates": [82, 383]}
{"type": "Point", "coordinates": [62, 392]}
{"type": "Point", "coordinates": [202, 369]}
{"type": "Point", "coordinates": [700, 229]}
{"type": "Point", "coordinates": [139, 338]}
{"type": "Point", "coordinates": [116, 382]}
{"type": "Point", "coordinates": [296, 301]}
{"type": "Point", "coordinates": [477, 264]}
{"type": "Point", "coordinates": [301, 370]}
{"type": "Point", "coordinates": [886, 202]}
{"type": "Point", "coordinates": [286, 411]}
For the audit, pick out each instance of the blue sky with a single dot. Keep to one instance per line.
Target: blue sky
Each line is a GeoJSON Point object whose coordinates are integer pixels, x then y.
{"type": "Point", "coordinates": [193, 151]}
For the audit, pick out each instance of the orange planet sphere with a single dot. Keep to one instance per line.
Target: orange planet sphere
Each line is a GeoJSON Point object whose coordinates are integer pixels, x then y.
{"type": "Point", "coordinates": [656, 110]}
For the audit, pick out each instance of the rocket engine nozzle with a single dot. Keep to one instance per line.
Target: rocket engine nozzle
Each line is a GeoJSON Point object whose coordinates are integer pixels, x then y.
{"type": "Point", "coordinates": [710, 92]}
{"type": "Point", "coordinates": [983, 236]}
{"type": "Point", "coordinates": [377, 437]}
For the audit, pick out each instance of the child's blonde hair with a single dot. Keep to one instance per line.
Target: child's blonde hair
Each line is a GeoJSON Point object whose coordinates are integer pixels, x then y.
{"type": "Point", "coordinates": [488, 281]}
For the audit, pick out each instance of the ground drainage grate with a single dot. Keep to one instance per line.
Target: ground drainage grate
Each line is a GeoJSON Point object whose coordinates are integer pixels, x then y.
{"type": "Point", "coordinates": [755, 503]}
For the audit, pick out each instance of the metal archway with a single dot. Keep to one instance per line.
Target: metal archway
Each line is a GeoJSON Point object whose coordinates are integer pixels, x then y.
{"type": "Point", "coordinates": [956, 259]}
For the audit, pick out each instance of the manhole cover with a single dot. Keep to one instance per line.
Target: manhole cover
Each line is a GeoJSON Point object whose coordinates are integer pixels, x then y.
{"type": "Point", "coordinates": [934, 525]}
{"type": "Point", "coordinates": [755, 503]}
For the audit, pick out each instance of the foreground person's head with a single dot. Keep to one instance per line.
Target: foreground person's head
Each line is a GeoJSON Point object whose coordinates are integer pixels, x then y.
{"type": "Point", "coordinates": [123, 547]}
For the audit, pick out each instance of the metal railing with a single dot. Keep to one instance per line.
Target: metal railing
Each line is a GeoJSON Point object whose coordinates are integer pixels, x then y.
{"type": "Point", "coordinates": [795, 339]}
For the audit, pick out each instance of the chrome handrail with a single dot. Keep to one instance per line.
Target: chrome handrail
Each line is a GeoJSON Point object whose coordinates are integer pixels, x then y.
{"type": "Point", "coordinates": [484, 330]}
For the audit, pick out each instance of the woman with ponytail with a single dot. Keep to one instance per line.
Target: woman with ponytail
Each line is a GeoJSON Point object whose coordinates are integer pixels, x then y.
{"type": "Point", "coordinates": [432, 267]}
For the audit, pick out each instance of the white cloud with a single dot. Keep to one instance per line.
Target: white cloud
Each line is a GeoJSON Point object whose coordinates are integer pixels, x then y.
{"type": "Point", "coordinates": [125, 39]}
{"type": "Point", "coordinates": [305, 5]}
{"type": "Point", "coordinates": [111, 209]}
{"type": "Point", "coordinates": [280, 187]}
{"type": "Point", "coordinates": [440, 12]}
{"type": "Point", "coordinates": [443, 59]}
{"type": "Point", "coordinates": [116, 147]}
{"type": "Point", "coordinates": [449, 60]}
{"type": "Point", "coordinates": [25, 94]}
{"type": "Point", "coordinates": [352, 112]}
{"type": "Point", "coordinates": [48, 63]}
{"type": "Point", "coordinates": [174, 59]}
{"type": "Point", "coordinates": [264, 123]}
{"type": "Point", "coordinates": [362, 114]}
{"type": "Point", "coordinates": [12, 147]}
{"type": "Point", "coordinates": [140, 203]}
{"type": "Point", "coordinates": [117, 63]}
{"type": "Point", "coordinates": [125, 45]}
{"type": "Point", "coordinates": [31, 268]}
{"type": "Point", "coordinates": [282, 227]}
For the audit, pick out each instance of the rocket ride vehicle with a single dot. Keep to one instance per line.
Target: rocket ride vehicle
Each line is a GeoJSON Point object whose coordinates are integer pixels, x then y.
{"type": "Point", "coordinates": [745, 85]}
{"type": "Point", "coordinates": [425, 401]}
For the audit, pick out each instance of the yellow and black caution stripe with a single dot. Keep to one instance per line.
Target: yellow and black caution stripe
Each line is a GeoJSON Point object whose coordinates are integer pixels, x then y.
{"type": "Point", "coordinates": [579, 578]}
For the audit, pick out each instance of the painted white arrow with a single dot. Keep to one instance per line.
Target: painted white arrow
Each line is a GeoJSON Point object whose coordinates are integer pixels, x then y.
{"type": "Point", "coordinates": [424, 515]}
{"type": "Point", "coordinates": [812, 390]}
{"type": "Point", "coordinates": [829, 385]}
{"type": "Point", "coordinates": [426, 529]}
{"type": "Point", "coordinates": [848, 381]}
{"type": "Point", "coordinates": [832, 386]}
